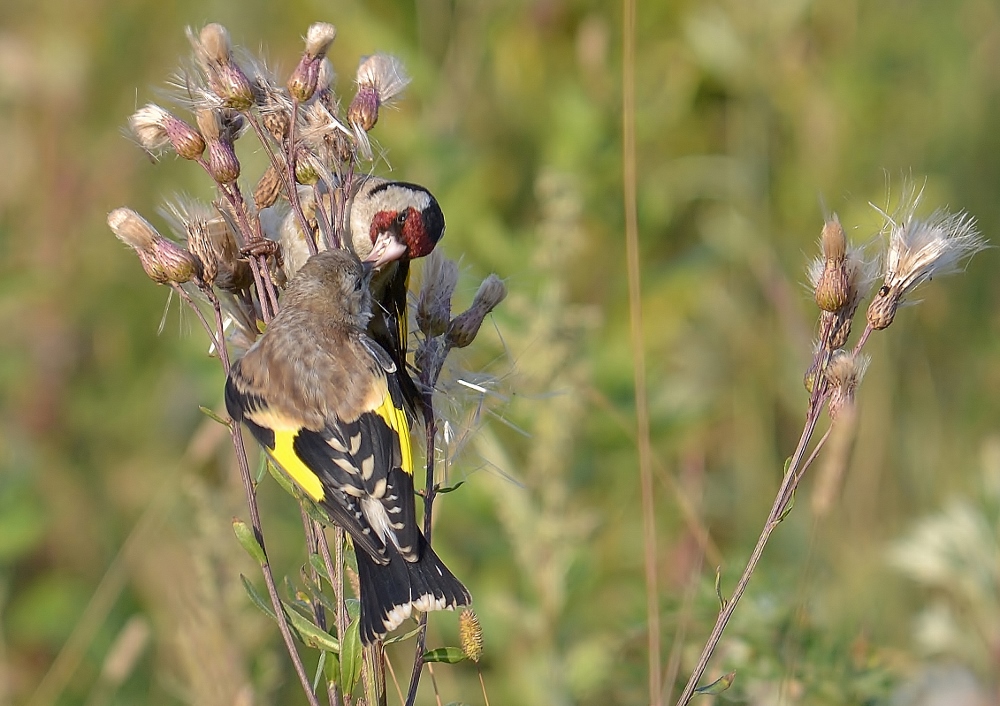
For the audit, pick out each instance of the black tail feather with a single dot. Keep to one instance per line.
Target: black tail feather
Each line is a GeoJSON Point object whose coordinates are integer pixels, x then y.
{"type": "Point", "coordinates": [391, 591]}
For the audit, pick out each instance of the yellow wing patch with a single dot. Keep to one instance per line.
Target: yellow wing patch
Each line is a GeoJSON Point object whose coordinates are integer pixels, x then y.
{"type": "Point", "coordinates": [286, 458]}
{"type": "Point", "coordinates": [395, 417]}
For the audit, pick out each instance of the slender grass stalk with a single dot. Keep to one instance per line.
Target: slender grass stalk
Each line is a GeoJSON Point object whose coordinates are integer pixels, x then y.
{"type": "Point", "coordinates": [638, 350]}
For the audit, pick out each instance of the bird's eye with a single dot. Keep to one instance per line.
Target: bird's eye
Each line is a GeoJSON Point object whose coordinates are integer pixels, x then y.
{"type": "Point", "coordinates": [401, 218]}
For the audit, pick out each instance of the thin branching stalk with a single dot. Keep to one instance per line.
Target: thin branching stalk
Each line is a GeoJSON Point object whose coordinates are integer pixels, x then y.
{"type": "Point", "coordinates": [778, 511]}
{"type": "Point", "coordinates": [290, 182]}
{"type": "Point", "coordinates": [430, 491]}
{"type": "Point", "coordinates": [272, 592]}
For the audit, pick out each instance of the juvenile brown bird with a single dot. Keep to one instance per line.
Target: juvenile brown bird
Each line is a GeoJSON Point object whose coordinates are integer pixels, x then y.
{"type": "Point", "coordinates": [325, 402]}
{"type": "Point", "coordinates": [391, 223]}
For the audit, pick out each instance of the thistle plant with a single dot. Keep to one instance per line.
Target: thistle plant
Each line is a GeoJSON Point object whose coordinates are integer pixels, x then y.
{"type": "Point", "coordinates": [917, 249]}
{"type": "Point", "coordinates": [229, 261]}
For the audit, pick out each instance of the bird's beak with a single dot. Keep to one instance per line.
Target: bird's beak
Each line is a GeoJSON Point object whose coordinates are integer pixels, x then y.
{"type": "Point", "coordinates": [387, 248]}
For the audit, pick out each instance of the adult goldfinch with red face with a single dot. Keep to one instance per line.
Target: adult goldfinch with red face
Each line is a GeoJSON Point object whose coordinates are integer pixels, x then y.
{"type": "Point", "coordinates": [325, 401]}
{"type": "Point", "coordinates": [390, 224]}
{"type": "Point", "coordinates": [393, 222]}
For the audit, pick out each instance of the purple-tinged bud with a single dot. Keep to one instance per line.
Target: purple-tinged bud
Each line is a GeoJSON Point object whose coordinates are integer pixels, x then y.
{"type": "Point", "coordinates": [156, 128]}
{"type": "Point", "coordinates": [306, 168]}
{"type": "Point", "coordinates": [304, 79]}
{"type": "Point", "coordinates": [363, 110]}
{"type": "Point", "coordinates": [214, 53]}
{"type": "Point", "coordinates": [380, 79]}
{"type": "Point", "coordinates": [164, 261]}
{"type": "Point", "coordinates": [463, 328]}
{"type": "Point", "coordinates": [222, 162]}
{"type": "Point", "coordinates": [232, 86]}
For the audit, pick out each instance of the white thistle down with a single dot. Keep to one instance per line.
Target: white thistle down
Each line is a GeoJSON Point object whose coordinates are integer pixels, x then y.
{"type": "Point", "coordinates": [918, 250]}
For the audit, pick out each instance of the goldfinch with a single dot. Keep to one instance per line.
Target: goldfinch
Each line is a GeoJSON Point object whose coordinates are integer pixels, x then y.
{"type": "Point", "coordinates": [325, 402]}
{"type": "Point", "coordinates": [393, 222]}
{"type": "Point", "coordinates": [390, 223]}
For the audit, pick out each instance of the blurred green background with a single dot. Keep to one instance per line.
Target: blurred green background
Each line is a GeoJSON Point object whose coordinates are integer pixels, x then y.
{"type": "Point", "coordinates": [119, 573]}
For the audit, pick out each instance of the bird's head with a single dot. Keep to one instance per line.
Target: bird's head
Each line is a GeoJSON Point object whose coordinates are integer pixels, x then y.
{"type": "Point", "coordinates": [394, 220]}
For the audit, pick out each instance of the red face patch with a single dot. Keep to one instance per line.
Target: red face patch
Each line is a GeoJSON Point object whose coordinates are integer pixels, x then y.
{"type": "Point", "coordinates": [415, 235]}
{"type": "Point", "coordinates": [407, 227]}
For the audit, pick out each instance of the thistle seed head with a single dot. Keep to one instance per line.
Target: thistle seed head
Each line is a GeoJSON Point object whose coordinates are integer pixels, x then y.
{"type": "Point", "coordinates": [164, 261]}
{"type": "Point", "coordinates": [157, 129]}
{"type": "Point", "coordinates": [463, 328]}
{"type": "Point", "coordinates": [434, 300]}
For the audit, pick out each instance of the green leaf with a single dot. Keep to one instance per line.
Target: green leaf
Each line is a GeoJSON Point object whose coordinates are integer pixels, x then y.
{"type": "Point", "coordinates": [310, 633]}
{"type": "Point", "coordinates": [316, 562]}
{"type": "Point", "coordinates": [718, 588]}
{"type": "Point", "coordinates": [402, 638]}
{"type": "Point", "coordinates": [248, 540]}
{"type": "Point", "coordinates": [448, 655]}
{"type": "Point", "coordinates": [353, 608]}
{"type": "Point", "coordinates": [718, 686]}
{"type": "Point", "coordinates": [320, 669]}
{"type": "Point", "coordinates": [282, 479]}
{"type": "Point", "coordinates": [788, 508]}
{"type": "Point", "coordinates": [256, 598]}
{"type": "Point", "coordinates": [315, 512]}
{"type": "Point", "coordinates": [351, 658]}
{"type": "Point", "coordinates": [261, 468]}
{"type": "Point", "coordinates": [450, 488]}
{"type": "Point", "coordinates": [331, 668]}
{"type": "Point", "coordinates": [212, 415]}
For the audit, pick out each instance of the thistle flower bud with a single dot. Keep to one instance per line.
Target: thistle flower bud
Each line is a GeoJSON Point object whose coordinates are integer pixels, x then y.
{"type": "Point", "coordinates": [919, 250]}
{"type": "Point", "coordinates": [306, 167]}
{"type": "Point", "coordinates": [844, 372]}
{"type": "Point", "coordinates": [268, 189]}
{"type": "Point", "coordinates": [163, 260]}
{"type": "Point", "coordinates": [214, 53]}
{"type": "Point", "coordinates": [470, 634]}
{"type": "Point", "coordinates": [882, 310]}
{"type": "Point", "coordinates": [319, 37]}
{"type": "Point", "coordinates": [363, 110]}
{"type": "Point", "coordinates": [214, 44]}
{"type": "Point", "coordinates": [434, 301]}
{"type": "Point", "coordinates": [305, 78]}
{"type": "Point", "coordinates": [232, 86]}
{"type": "Point", "coordinates": [380, 79]}
{"type": "Point", "coordinates": [211, 239]}
{"type": "Point", "coordinates": [833, 285]}
{"type": "Point", "coordinates": [223, 164]}
{"type": "Point", "coordinates": [463, 328]}
{"type": "Point", "coordinates": [155, 128]}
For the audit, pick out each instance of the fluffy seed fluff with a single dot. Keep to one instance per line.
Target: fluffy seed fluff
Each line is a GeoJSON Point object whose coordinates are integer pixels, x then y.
{"type": "Point", "coordinates": [920, 249]}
